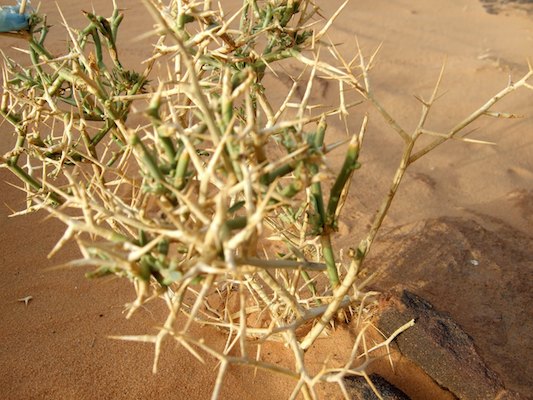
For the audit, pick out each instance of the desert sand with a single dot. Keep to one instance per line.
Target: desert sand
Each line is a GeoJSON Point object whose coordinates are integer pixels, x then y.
{"type": "Point", "coordinates": [459, 233]}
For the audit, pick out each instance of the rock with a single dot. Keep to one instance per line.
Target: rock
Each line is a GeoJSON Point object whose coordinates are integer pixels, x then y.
{"type": "Point", "coordinates": [479, 271]}
{"type": "Point", "coordinates": [507, 6]}
{"type": "Point", "coordinates": [440, 347]}
{"type": "Point", "coordinates": [359, 389]}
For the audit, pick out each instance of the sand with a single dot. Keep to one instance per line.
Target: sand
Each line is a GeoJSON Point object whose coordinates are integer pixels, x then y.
{"type": "Point", "coordinates": [479, 197]}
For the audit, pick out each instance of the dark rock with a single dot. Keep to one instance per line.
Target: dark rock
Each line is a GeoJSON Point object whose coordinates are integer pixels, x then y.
{"type": "Point", "coordinates": [359, 389]}
{"type": "Point", "coordinates": [499, 6]}
{"type": "Point", "coordinates": [479, 271]}
{"type": "Point", "coordinates": [440, 347]}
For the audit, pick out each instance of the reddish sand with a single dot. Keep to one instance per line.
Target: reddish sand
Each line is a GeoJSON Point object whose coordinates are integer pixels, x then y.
{"type": "Point", "coordinates": [56, 346]}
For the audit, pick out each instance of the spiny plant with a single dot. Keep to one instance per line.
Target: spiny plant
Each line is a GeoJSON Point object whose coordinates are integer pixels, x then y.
{"type": "Point", "coordinates": [216, 197]}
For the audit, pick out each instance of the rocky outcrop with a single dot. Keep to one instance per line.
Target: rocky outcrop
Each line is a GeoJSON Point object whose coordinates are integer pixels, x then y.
{"type": "Point", "coordinates": [438, 345]}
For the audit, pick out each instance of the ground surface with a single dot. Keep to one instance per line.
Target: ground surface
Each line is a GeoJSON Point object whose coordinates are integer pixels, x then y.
{"type": "Point", "coordinates": [465, 216]}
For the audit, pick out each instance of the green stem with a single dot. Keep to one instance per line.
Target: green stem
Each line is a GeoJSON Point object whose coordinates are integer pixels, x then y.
{"type": "Point", "coordinates": [350, 164]}
{"type": "Point", "coordinates": [236, 223]}
{"type": "Point", "coordinates": [181, 170]}
{"type": "Point", "coordinates": [329, 258]}
{"type": "Point", "coordinates": [32, 182]}
{"type": "Point", "coordinates": [317, 199]}
{"type": "Point", "coordinates": [102, 133]}
{"type": "Point", "coordinates": [316, 187]}
{"type": "Point", "coordinates": [149, 162]}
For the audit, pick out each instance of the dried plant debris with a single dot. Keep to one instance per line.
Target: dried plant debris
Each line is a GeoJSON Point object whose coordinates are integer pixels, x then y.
{"type": "Point", "coordinates": [26, 300]}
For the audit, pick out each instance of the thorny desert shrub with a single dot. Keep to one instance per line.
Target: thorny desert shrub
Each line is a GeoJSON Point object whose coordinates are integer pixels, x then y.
{"type": "Point", "coordinates": [219, 201]}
